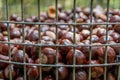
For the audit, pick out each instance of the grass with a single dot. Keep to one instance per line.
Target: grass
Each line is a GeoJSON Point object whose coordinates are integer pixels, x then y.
{"type": "Point", "coordinates": [31, 6]}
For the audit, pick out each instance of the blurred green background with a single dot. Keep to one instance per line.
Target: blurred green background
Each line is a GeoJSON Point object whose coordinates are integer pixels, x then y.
{"type": "Point", "coordinates": [31, 6]}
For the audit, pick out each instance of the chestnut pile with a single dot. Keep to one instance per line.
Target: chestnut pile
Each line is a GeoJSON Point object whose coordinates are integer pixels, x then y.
{"type": "Point", "coordinates": [64, 36]}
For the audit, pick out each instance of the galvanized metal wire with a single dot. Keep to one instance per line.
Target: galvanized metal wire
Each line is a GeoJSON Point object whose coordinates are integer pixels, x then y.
{"type": "Point", "coordinates": [74, 45]}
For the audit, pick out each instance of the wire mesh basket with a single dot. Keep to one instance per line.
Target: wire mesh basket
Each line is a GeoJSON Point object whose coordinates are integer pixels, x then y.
{"type": "Point", "coordinates": [59, 40]}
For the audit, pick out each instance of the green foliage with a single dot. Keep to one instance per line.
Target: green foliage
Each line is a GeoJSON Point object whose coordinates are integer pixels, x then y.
{"type": "Point", "coordinates": [31, 6]}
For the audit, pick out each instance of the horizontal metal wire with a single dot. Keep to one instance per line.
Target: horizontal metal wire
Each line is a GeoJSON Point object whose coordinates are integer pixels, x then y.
{"type": "Point", "coordinates": [59, 45]}
{"type": "Point", "coordinates": [58, 23]}
{"type": "Point", "coordinates": [57, 65]}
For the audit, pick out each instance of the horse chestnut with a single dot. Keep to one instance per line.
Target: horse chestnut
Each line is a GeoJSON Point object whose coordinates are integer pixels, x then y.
{"type": "Point", "coordinates": [80, 58]}
{"type": "Point", "coordinates": [110, 54]}
{"type": "Point", "coordinates": [32, 73]}
{"type": "Point", "coordinates": [79, 75]}
{"type": "Point", "coordinates": [96, 71]}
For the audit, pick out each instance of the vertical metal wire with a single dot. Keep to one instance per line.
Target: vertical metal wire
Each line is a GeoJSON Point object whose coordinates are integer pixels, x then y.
{"type": "Point", "coordinates": [56, 7]}
{"type": "Point", "coordinates": [23, 37]}
{"type": "Point", "coordinates": [8, 30]}
{"type": "Point", "coordinates": [40, 68]}
{"type": "Point", "coordinates": [74, 37]}
{"type": "Point", "coordinates": [105, 68]}
{"type": "Point", "coordinates": [91, 29]}
{"type": "Point", "coordinates": [118, 75]}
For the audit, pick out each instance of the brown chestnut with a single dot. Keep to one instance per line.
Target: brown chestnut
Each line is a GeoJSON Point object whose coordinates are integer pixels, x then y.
{"type": "Point", "coordinates": [32, 73]}
{"type": "Point", "coordinates": [4, 49]}
{"type": "Point", "coordinates": [86, 10]}
{"type": "Point", "coordinates": [72, 29]}
{"type": "Point", "coordinates": [60, 7]}
{"type": "Point", "coordinates": [53, 29]}
{"type": "Point", "coordinates": [103, 40]}
{"type": "Point", "coordinates": [110, 54]}
{"type": "Point", "coordinates": [52, 12]}
{"type": "Point", "coordinates": [99, 20]}
{"type": "Point", "coordinates": [83, 16]}
{"type": "Point", "coordinates": [115, 36]}
{"type": "Point", "coordinates": [2, 74]}
{"type": "Point", "coordinates": [94, 38]}
{"type": "Point", "coordinates": [85, 33]}
{"type": "Point", "coordinates": [64, 27]}
{"type": "Point", "coordinates": [34, 18]}
{"type": "Point", "coordinates": [4, 26]}
{"type": "Point", "coordinates": [78, 9]}
{"type": "Point", "coordinates": [110, 76]}
{"type": "Point", "coordinates": [50, 54]}
{"type": "Point", "coordinates": [63, 16]}
{"type": "Point", "coordinates": [96, 71]}
{"type": "Point", "coordinates": [80, 58]}
{"type": "Point", "coordinates": [115, 18]}
{"type": "Point", "coordinates": [49, 21]}
{"type": "Point", "coordinates": [101, 32]}
{"type": "Point", "coordinates": [44, 15]}
{"type": "Point", "coordinates": [61, 33]}
{"type": "Point", "coordinates": [94, 49]}
{"type": "Point", "coordinates": [28, 48]}
{"type": "Point", "coordinates": [66, 48]}
{"type": "Point", "coordinates": [28, 20]}
{"type": "Point", "coordinates": [47, 43]}
{"type": "Point", "coordinates": [117, 28]}
{"type": "Point", "coordinates": [13, 17]}
{"type": "Point", "coordinates": [18, 19]}
{"type": "Point", "coordinates": [15, 33]}
{"type": "Point", "coordinates": [80, 20]}
{"type": "Point", "coordinates": [115, 47]}
{"type": "Point", "coordinates": [85, 49]}
{"type": "Point", "coordinates": [5, 33]}
{"type": "Point", "coordinates": [110, 32]}
{"type": "Point", "coordinates": [79, 45]}
{"type": "Point", "coordinates": [43, 61]}
{"type": "Point", "coordinates": [2, 38]}
{"type": "Point", "coordinates": [83, 27]}
{"type": "Point", "coordinates": [44, 28]}
{"type": "Point", "coordinates": [95, 30]}
{"type": "Point", "coordinates": [48, 77]}
{"type": "Point", "coordinates": [50, 34]}
{"type": "Point", "coordinates": [19, 57]}
{"type": "Point", "coordinates": [7, 72]}
{"type": "Point", "coordinates": [70, 36]}
{"type": "Point", "coordinates": [46, 38]}
{"type": "Point", "coordinates": [68, 12]}
{"type": "Point", "coordinates": [102, 16]}
{"type": "Point", "coordinates": [19, 78]}
{"type": "Point", "coordinates": [118, 39]}
{"type": "Point", "coordinates": [79, 75]}
{"type": "Point", "coordinates": [33, 36]}
{"type": "Point", "coordinates": [62, 72]}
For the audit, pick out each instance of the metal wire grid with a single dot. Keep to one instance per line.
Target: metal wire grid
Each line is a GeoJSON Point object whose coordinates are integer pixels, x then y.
{"type": "Point", "coordinates": [57, 45]}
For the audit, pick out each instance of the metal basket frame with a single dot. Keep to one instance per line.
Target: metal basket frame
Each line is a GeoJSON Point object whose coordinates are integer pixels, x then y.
{"type": "Point", "coordinates": [74, 66]}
